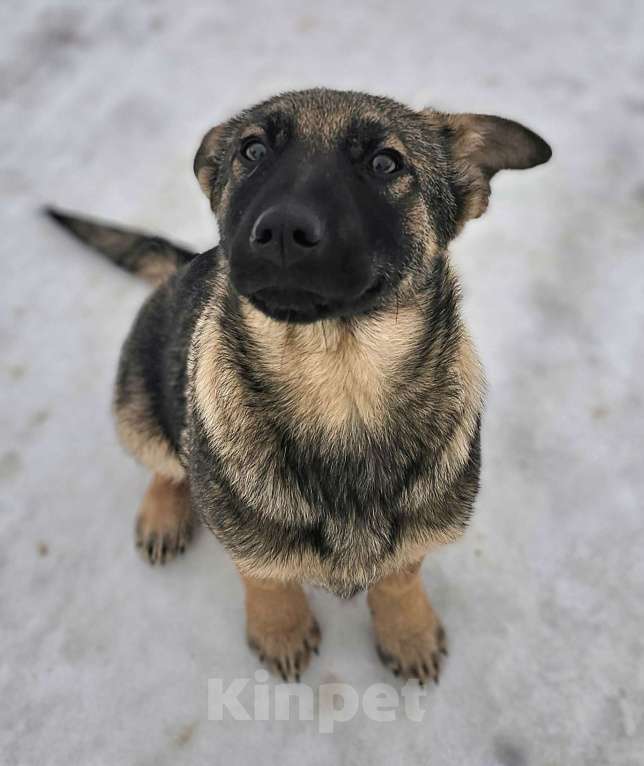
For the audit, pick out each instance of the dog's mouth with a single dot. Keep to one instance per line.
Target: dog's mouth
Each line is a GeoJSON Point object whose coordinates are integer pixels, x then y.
{"type": "Point", "coordinates": [297, 305]}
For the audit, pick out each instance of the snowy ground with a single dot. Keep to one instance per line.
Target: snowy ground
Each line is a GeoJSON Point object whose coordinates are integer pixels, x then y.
{"type": "Point", "coordinates": [105, 660]}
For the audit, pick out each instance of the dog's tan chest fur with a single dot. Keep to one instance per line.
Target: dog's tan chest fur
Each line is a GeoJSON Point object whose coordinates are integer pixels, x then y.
{"type": "Point", "coordinates": [336, 374]}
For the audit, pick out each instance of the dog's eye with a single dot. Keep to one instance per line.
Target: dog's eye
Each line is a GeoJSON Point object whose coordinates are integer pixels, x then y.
{"type": "Point", "coordinates": [386, 163]}
{"type": "Point", "coordinates": [253, 150]}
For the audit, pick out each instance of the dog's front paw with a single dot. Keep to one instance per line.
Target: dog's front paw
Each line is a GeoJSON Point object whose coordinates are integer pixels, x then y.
{"type": "Point", "coordinates": [415, 654]}
{"type": "Point", "coordinates": [165, 522]}
{"type": "Point", "coordinates": [409, 637]}
{"type": "Point", "coordinates": [286, 651]}
{"type": "Point", "coordinates": [280, 625]}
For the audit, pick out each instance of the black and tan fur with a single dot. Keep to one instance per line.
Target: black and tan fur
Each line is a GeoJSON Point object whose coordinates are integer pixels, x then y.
{"type": "Point", "coordinates": [335, 452]}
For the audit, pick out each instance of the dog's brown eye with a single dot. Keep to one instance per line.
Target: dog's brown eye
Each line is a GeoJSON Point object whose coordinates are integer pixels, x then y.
{"type": "Point", "coordinates": [385, 163]}
{"type": "Point", "coordinates": [253, 150]}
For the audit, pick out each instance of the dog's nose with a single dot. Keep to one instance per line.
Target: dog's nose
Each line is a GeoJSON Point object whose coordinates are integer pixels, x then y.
{"type": "Point", "coordinates": [287, 233]}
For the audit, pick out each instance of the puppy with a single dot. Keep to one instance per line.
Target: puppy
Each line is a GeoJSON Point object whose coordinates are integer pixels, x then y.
{"type": "Point", "coordinates": [307, 389]}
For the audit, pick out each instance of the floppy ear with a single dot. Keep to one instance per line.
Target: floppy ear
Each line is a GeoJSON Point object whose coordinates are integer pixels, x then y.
{"type": "Point", "coordinates": [208, 157]}
{"type": "Point", "coordinates": [481, 145]}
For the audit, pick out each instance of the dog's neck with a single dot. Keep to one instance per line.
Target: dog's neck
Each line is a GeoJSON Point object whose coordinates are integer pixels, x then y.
{"type": "Point", "coordinates": [341, 373]}
{"type": "Point", "coordinates": [336, 371]}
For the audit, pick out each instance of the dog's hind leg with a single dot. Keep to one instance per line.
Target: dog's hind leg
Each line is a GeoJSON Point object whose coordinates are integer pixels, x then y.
{"type": "Point", "coordinates": [280, 625]}
{"type": "Point", "coordinates": [165, 521]}
{"type": "Point", "coordinates": [409, 637]}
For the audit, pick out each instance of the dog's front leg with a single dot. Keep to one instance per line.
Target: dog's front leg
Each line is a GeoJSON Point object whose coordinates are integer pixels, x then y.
{"type": "Point", "coordinates": [409, 636]}
{"type": "Point", "coordinates": [280, 625]}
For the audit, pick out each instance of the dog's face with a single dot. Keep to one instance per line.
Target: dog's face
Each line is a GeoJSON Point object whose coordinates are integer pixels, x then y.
{"type": "Point", "coordinates": [332, 203]}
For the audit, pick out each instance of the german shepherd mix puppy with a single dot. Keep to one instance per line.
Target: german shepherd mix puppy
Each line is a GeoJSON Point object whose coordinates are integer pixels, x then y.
{"type": "Point", "coordinates": [307, 388]}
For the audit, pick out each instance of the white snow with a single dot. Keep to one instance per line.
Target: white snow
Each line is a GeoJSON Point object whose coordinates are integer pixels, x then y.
{"type": "Point", "coordinates": [105, 660]}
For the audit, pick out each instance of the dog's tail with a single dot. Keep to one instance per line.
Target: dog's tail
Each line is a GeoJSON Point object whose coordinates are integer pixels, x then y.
{"type": "Point", "coordinates": [152, 258]}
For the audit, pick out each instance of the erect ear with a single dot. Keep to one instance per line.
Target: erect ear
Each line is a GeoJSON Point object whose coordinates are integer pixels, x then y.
{"type": "Point", "coordinates": [209, 156]}
{"type": "Point", "coordinates": [481, 145]}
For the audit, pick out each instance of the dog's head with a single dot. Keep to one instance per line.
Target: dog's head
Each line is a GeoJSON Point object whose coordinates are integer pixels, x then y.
{"type": "Point", "coordinates": [330, 203]}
